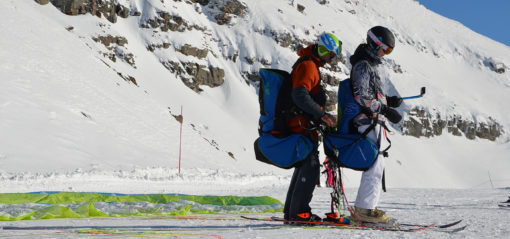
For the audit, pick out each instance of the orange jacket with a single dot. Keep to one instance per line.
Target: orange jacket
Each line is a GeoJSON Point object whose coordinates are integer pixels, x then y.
{"type": "Point", "coordinates": [307, 73]}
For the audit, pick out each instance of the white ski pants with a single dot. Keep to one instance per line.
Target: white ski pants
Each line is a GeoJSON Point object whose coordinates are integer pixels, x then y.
{"type": "Point", "coordinates": [370, 187]}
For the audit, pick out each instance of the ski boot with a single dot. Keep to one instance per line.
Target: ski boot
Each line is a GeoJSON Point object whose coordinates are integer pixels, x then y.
{"type": "Point", "coordinates": [333, 217]}
{"type": "Point", "coordinates": [372, 216]}
{"type": "Point", "coordinates": [304, 219]}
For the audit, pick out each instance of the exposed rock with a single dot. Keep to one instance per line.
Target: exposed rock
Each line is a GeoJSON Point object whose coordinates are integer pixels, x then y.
{"type": "Point", "coordinates": [250, 61]}
{"type": "Point", "coordinates": [300, 8]}
{"type": "Point", "coordinates": [495, 65]}
{"type": "Point", "coordinates": [397, 69]}
{"type": "Point", "coordinates": [355, 2]}
{"type": "Point", "coordinates": [201, 2]}
{"type": "Point", "coordinates": [99, 8]}
{"type": "Point", "coordinates": [253, 77]}
{"type": "Point", "coordinates": [231, 155]}
{"type": "Point", "coordinates": [491, 132]}
{"type": "Point", "coordinates": [109, 39]}
{"type": "Point", "coordinates": [165, 21]}
{"type": "Point", "coordinates": [115, 46]}
{"type": "Point", "coordinates": [194, 75]}
{"type": "Point", "coordinates": [334, 65]}
{"type": "Point", "coordinates": [42, 2]}
{"type": "Point", "coordinates": [287, 40]}
{"type": "Point", "coordinates": [179, 118]}
{"type": "Point", "coordinates": [205, 75]}
{"type": "Point", "coordinates": [174, 67]}
{"type": "Point", "coordinates": [234, 56]}
{"type": "Point", "coordinates": [128, 78]}
{"type": "Point", "coordinates": [265, 62]}
{"type": "Point", "coordinates": [86, 115]}
{"type": "Point", "coordinates": [393, 65]}
{"type": "Point", "coordinates": [332, 100]}
{"type": "Point", "coordinates": [421, 123]}
{"type": "Point", "coordinates": [188, 50]}
{"type": "Point", "coordinates": [72, 7]}
{"type": "Point", "coordinates": [125, 56]}
{"type": "Point", "coordinates": [122, 11]}
{"type": "Point", "coordinates": [330, 80]}
{"type": "Point", "coordinates": [234, 7]}
{"type": "Point", "coordinates": [229, 8]}
{"type": "Point", "coordinates": [222, 19]}
{"type": "Point", "coordinates": [153, 47]}
{"type": "Point", "coordinates": [172, 23]}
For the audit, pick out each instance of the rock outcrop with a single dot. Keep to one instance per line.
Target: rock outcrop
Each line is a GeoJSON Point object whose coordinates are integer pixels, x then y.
{"type": "Point", "coordinates": [420, 123]}
{"type": "Point", "coordinates": [107, 8]}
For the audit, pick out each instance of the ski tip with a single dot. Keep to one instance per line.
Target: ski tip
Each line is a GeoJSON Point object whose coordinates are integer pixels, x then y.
{"type": "Point", "coordinates": [458, 229]}
{"type": "Point", "coordinates": [450, 224]}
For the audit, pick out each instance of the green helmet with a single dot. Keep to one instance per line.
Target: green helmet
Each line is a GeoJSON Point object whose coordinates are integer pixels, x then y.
{"type": "Point", "coordinates": [328, 43]}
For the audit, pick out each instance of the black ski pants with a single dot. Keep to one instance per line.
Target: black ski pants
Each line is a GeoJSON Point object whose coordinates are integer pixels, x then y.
{"type": "Point", "coordinates": [303, 182]}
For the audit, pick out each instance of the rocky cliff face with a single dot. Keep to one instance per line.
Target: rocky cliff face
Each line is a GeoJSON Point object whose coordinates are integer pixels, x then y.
{"type": "Point", "coordinates": [109, 9]}
{"type": "Point", "coordinates": [421, 123]}
{"type": "Point", "coordinates": [199, 70]}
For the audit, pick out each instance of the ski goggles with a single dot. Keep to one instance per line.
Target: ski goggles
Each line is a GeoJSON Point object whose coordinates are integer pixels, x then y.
{"type": "Point", "coordinates": [387, 49]}
{"type": "Point", "coordinates": [322, 50]}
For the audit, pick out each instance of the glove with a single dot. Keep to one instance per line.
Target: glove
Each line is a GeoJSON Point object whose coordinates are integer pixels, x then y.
{"type": "Point", "coordinates": [392, 115]}
{"type": "Point", "coordinates": [394, 101]}
{"type": "Point", "coordinates": [367, 111]}
{"type": "Point", "coordinates": [329, 120]}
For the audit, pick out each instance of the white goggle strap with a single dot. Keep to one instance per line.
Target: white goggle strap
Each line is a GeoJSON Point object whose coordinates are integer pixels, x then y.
{"type": "Point", "coordinates": [377, 41]}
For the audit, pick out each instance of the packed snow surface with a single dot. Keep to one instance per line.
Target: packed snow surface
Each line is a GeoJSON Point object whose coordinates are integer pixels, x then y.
{"type": "Point", "coordinates": [478, 208]}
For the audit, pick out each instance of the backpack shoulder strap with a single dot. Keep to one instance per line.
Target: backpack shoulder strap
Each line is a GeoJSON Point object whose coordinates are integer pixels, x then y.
{"type": "Point", "coordinates": [301, 59]}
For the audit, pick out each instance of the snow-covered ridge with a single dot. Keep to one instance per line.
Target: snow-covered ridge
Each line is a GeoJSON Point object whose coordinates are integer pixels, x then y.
{"type": "Point", "coordinates": [174, 22]}
{"type": "Point", "coordinates": [158, 179]}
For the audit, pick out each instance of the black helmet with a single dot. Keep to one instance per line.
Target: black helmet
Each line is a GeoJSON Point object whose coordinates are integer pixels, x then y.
{"type": "Point", "coordinates": [378, 37]}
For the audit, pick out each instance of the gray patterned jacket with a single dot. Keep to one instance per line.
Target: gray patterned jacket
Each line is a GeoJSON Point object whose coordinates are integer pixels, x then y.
{"type": "Point", "coordinates": [367, 87]}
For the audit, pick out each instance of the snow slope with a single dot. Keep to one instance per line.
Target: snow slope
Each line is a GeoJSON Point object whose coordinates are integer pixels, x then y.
{"type": "Point", "coordinates": [70, 123]}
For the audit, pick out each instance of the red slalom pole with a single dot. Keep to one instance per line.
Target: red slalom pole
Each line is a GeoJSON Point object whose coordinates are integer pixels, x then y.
{"type": "Point", "coordinates": [180, 143]}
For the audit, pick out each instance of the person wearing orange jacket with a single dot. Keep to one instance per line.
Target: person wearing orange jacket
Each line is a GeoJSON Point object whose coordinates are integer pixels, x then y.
{"type": "Point", "coordinates": [310, 98]}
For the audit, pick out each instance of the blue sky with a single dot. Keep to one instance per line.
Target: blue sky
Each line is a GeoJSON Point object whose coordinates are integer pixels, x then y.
{"type": "Point", "coordinates": [487, 17]}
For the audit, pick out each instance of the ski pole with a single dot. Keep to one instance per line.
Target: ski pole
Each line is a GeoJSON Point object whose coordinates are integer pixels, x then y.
{"type": "Point", "coordinates": [416, 96]}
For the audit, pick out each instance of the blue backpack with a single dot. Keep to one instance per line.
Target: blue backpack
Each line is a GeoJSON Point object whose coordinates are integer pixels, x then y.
{"type": "Point", "coordinates": [275, 145]}
{"type": "Point", "coordinates": [346, 146]}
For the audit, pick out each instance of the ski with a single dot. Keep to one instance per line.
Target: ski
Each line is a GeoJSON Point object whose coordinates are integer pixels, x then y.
{"type": "Point", "coordinates": [344, 226]}
{"type": "Point", "coordinates": [438, 226]}
{"type": "Point", "coordinates": [399, 224]}
{"type": "Point", "coordinates": [398, 228]}
{"type": "Point", "coordinates": [504, 205]}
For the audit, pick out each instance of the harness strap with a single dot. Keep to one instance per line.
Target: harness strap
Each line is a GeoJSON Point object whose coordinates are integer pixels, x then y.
{"type": "Point", "coordinates": [290, 111]}
{"type": "Point", "coordinates": [385, 151]}
{"type": "Point", "coordinates": [384, 180]}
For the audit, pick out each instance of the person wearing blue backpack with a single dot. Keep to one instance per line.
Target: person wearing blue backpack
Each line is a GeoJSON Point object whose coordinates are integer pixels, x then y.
{"type": "Point", "coordinates": [376, 107]}
{"type": "Point", "coordinates": [291, 111]}
{"type": "Point", "coordinates": [309, 97]}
